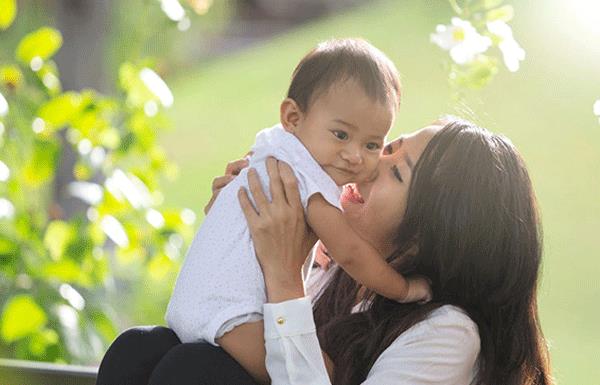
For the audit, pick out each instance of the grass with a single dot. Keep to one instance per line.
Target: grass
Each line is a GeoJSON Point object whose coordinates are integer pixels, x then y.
{"type": "Point", "coordinates": [545, 108]}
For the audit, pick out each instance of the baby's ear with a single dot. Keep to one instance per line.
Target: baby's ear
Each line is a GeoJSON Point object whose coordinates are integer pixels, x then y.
{"type": "Point", "coordinates": [290, 115]}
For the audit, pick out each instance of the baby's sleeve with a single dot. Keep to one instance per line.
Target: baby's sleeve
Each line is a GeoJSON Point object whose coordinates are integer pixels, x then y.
{"type": "Point", "coordinates": [310, 183]}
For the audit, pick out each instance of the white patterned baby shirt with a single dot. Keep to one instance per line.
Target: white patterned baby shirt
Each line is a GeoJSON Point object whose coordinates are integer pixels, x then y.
{"type": "Point", "coordinates": [220, 285]}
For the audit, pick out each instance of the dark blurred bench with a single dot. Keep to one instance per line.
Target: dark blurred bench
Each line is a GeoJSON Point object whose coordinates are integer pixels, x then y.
{"type": "Point", "coordinates": [17, 372]}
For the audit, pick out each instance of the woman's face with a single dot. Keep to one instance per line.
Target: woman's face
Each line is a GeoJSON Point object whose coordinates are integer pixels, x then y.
{"type": "Point", "coordinates": [375, 208]}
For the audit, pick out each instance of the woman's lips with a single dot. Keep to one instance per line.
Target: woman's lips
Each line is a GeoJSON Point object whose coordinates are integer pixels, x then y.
{"type": "Point", "coordinates": [350, 194]}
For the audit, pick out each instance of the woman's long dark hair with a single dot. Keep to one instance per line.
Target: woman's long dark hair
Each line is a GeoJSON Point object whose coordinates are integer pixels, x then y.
{"type": "Point", "coordinates": [471, 226]}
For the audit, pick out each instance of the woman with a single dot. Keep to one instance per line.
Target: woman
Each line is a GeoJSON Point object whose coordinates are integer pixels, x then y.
{"type": "Point", "coordinates": [453, 203]}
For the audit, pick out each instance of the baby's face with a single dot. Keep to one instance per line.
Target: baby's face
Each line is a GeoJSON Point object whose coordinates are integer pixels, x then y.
{"type": "Point", "coordinates": [344, 130]}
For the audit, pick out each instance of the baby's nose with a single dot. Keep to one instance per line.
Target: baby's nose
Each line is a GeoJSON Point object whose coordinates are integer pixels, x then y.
{"type": "Point", "coordinates": [352, 157]}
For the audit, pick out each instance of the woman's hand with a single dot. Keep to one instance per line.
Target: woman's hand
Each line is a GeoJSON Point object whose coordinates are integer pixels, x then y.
{"type": "Point", "coordinates": [231, 171]}
{"type": "Point", "coordinates": [282, 239]}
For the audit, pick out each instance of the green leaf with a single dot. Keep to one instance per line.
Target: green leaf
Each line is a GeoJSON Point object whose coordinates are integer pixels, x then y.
{"type": "Point", "coordinates": [477, 74]}
{"type": "Point", "coordinates": [21, 317]}
{"type": "Point", "coordinates": [41, 165]}
{"type": "Point", "coordinates": [57, 237]}
{"type": "Point", "coordinates": [160, 267]}
{"type": "Point", "coordinates": [504, 13]}
{"type": "Point", "coordinates": [8, 11]}
{"type": "Point", "coordinates": [43, 43]}
{"type": "Point", "coordinates": [67, 271]}
{"type": "Point", "coordinates": [81, 246]}
{"type": "Point", "coordinates": [138, 93]}
{"type": "Point", "coordinates": [41, 340]}
{"type": "Point", "coordinates": [11, 76]}
{"type": "Point", "coordinates": [104, 325]}
{"type": "Point", "coordinates": [9, 254]}
{"type": "Point", "coordinates": [8, 247]}
{"type": "Point", "coordinates": [61, 109]}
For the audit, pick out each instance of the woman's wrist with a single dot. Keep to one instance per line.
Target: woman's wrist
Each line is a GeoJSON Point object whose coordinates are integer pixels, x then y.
{"type": "Point", "coordinates": [282, 288]}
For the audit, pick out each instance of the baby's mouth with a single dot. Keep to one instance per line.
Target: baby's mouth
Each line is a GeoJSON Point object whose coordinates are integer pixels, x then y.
{"type": "Point", "coordinates": [350, 194]}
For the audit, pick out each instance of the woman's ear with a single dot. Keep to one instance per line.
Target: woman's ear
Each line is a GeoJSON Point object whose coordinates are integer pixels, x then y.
{"type": "Point", "coordinates": [290, 115]}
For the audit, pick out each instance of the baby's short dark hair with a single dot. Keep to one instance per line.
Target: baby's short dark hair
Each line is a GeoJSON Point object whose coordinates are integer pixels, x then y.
{"type": "Point", "coordinates": [339, 60]}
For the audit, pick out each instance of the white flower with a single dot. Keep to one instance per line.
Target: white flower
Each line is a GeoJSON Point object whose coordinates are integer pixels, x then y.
{"type": "Point", "coordinates": [130, 187]}
{"type": "Point", "coordinates": [512, 52]}
{"type": "Point", "coordinates": [90, 193]}
{"type": "Point", "coordinates": [597, 108]}
{"type": "Point", "coordinates": [3, 105]}
{"type": "Point", "coordinates": [115, 230]}
{"type": "Point", "coordinates": [157, 86]}
{"type": "Point", "coordinates": [7, 210]}
{"type": "Point", "coordinates": [461, 39]}
{"type": "Point", "coordinates": [4, 172]}
{"type": "Point", "coordinates": [172, 9]}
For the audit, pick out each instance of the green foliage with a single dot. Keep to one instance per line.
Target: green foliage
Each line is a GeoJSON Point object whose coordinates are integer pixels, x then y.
{"type": "Point", "coordinates": [8, 11]}
{"type": "Point", "coordinates": [21, 317]}
{"type": "Point", "coordinates": [56, 271]}
{"type": "Point", "coordinates": [42, 44]}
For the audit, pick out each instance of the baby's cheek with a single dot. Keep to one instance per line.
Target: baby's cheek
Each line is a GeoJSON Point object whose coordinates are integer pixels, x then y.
{"type": "Point", "coordinates": [369, 171]}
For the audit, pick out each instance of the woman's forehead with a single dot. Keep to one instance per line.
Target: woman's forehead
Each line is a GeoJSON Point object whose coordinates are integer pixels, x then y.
{"type": "Point", "coordinates": [420, 136]}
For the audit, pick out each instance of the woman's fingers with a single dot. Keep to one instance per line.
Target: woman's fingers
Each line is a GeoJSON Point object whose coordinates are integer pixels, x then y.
{"type": "Point", "coordinates": [275, 183]}
{"type": "Point", "coordinates": [247, 207]}
{"type": "Point", "coordinates": [290, 185]}
{"type": "Point", "coordinates": [257, 192]}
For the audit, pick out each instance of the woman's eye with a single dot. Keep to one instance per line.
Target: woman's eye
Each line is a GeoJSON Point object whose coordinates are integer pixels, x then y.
{"type": "Point", "coordinates": [340, 134]}
{"type": "Point", "coordinates": [373, 146]}
{"type": "Point", "coordinates": [397, 173]}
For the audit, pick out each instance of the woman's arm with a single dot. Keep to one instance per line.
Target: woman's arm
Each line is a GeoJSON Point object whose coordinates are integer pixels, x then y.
{"type": "Point", "coordinates": [282, 240]}
{"type": "Point", "coordinates": [440, 350]}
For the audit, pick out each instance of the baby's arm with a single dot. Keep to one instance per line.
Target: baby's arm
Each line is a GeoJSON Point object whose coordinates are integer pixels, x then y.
{"type": "Point", "coordinates": [246, 344]}
{"type": "Point", "coordinates": [358, 258]}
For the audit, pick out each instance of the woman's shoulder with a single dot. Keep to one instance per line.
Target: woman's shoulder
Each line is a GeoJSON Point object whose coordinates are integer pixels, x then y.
{"type": "Point", "coordinates": [447, 323]}
{"type": "Point", "coordinates": [451, 315]}
{"type": "Point", "coordinates": [447, 326]}
{"type": "Point", "coordinates": [441, 349]}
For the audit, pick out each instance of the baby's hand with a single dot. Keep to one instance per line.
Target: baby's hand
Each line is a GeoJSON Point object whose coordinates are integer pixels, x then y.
{"type": "Point", "coordinates": [419, 290]}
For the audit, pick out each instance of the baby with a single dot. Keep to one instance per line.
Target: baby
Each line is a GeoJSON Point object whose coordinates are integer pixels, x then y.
{"type": "Point", "coordinates": [340, 106]}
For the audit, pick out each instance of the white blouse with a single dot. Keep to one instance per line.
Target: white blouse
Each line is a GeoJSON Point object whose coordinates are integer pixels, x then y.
{"type": "Point", "coordinates": [442, 349]}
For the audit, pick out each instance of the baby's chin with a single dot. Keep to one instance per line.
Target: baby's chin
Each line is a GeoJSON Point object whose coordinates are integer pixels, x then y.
{"type": "Point", "coordinates": [342, 180]}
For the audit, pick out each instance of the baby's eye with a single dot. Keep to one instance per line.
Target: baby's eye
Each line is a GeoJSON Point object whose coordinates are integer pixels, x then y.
{"type": "Point", "coordinates": [373, 146]}
{"type": "Point", "coordinates": [340, 134]}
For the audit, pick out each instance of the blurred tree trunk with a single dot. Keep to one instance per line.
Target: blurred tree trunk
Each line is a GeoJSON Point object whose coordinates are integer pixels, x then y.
{"type": "Point", "coordinates": [84, 25]}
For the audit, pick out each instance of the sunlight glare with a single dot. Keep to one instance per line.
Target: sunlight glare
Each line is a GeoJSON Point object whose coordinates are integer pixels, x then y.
{"type": "Point", "coordinates": [587, 13]}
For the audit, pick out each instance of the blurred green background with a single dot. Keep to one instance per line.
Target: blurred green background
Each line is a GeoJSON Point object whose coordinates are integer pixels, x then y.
{"type": "Point", "coordinates": [223, 97]}
{"type": "Point", "coordinates": [545, 109]}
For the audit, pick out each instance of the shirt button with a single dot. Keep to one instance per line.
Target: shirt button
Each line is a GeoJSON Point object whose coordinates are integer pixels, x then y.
{"type": "Point", "coordinates": [280, 320]}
